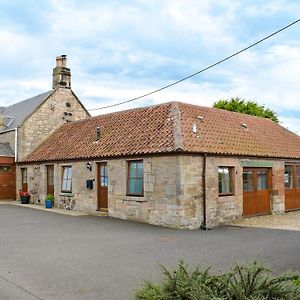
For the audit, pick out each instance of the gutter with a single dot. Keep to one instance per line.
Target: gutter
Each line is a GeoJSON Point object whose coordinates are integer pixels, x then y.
{"type": "Point", "coordinates": [204, 223]}
{"type": "Point", "coordinates": [7, 130]}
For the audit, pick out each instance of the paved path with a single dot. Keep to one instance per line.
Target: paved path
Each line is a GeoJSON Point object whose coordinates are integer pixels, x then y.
{"type": "Point", "coordinates": [288, 221]}
{"type": "Point", "coordinates": [52, 256]}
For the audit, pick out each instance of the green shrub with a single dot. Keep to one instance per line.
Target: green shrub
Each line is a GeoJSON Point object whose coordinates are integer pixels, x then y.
{"type": "Point", "coordinates": [243, 282]}
{"type": "Point", "coordinates": [50, 197]}
{"type": "Point", "coordinates": [297, 281]}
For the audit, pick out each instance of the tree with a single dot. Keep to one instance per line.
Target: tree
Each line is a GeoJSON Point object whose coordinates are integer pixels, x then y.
{"type": "Point", "coordinates": [246, 107]}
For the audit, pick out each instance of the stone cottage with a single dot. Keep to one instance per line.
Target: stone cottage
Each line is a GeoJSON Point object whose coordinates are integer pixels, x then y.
{"type": "Point", "coordinates": [26, 124]}
{"type": "Point", "coordinates": [173, 164]}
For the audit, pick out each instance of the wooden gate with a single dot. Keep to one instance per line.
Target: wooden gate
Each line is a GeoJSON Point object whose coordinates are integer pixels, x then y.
{"type": "Point", "coordinates": [7, 178]}
{"type": "Point", "coordinates": [102, 186]}
{"type": "Point", "coordinates": [292, 187]}
{"type": "Point", "coordinates": [257, 184]}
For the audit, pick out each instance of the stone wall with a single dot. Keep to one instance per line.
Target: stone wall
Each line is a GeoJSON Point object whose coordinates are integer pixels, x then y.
{"type": "Point", "coordinates": [61, 107]}
{"type": "Point", "coordinates": [173, 193]}
{"type": "Point", "coordinates": [222, 209]}
{"type": "Point", "coordinates": [172, 189]}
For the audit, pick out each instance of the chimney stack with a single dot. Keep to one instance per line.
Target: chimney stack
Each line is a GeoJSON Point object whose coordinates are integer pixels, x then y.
{"type": "Point", "coordinates": [61, 74]}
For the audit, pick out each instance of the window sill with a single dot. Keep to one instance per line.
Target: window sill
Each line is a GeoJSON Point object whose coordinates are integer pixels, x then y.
{"type": "Point", "coordinates": [134, 198]}
{"type": "Point", "coordinates": [66, 194]}
{"type": "Point", "coordinates": [227, 194]}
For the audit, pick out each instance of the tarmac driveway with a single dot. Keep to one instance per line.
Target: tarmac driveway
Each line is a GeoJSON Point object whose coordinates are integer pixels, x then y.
{"type": "Point", "coordinates": [45, 255]}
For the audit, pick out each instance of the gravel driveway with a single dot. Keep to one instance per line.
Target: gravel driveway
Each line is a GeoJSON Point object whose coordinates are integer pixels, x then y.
{"type": "Point", "coordinates": [287, 221]}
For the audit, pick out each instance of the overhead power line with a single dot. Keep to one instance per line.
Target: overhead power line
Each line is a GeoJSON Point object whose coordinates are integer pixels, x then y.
{"type": "Point", "coordinates": [201, 71]}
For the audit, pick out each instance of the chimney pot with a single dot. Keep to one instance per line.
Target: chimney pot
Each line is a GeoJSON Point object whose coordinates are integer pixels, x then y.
{"type": "Point", "coordinates": [61, 74]}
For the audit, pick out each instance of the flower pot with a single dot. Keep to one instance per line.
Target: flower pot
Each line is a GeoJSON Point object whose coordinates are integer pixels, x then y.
{"type": "Point", "coordinates": [25, 199]}
{"type": "Point", "coordinates": [48, 203]}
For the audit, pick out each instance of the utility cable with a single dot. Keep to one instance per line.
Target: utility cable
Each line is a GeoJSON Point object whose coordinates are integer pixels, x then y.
{"type": "Point", "coordinates": [201, 71]}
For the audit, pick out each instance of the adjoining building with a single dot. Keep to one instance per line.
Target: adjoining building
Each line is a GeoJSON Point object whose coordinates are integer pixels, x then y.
{"type": "Point", "coordinates": [173, 164]}
{"type": "Point", "coordinates": [26, 124]}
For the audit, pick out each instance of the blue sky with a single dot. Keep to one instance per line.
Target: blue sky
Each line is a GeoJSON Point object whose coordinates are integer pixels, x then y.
{"type": "Point", "coordinates": [118, 50]}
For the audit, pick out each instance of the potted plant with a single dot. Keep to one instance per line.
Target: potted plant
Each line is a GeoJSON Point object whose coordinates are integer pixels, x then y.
{"type": "Point", "coordinates": [24, 197]}
{"type": "Point", "coordinates": [49, 201]}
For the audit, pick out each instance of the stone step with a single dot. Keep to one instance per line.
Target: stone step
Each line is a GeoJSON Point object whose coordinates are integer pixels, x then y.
{"type": "Point", "coordinates": [99, 213]}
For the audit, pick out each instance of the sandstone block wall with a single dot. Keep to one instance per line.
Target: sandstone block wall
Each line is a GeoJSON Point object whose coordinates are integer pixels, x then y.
{"type": "Point", "coordinates": [221, 209]}
{"type": "Point", "coordinates": [59, 108]}
{"type": "Point", "coordinates": [173, 191]}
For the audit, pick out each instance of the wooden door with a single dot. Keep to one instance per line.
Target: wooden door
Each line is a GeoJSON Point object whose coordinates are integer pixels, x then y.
{"type": "Point", "coordinates": [50, 180]}
{"type": "Point", "coordinates": [7, 181]}
{"type": "Point", "coordinates": [24, 180]}
{"type": "Point", "coordinates": [256, 191]}
{"type": "Point", "coordinates": [292, 187]}
{"type": "Point", "coordinates": [102, 186]}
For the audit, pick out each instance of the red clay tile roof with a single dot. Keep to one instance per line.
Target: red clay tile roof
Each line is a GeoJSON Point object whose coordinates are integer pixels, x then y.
{"type": "Point", "coordinates": [167, 128]}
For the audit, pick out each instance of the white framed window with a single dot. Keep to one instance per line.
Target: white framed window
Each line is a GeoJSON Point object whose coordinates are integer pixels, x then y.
{"type": "Point", "coordinates": [66, 185]}
{"type": "Point", "coordinates": [226, 186]}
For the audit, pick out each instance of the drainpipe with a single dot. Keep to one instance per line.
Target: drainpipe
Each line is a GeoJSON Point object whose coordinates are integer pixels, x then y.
{"type": "Point", "coordinates": [204, 224]}
{"type": "Point", "coordinates": [16, 144]}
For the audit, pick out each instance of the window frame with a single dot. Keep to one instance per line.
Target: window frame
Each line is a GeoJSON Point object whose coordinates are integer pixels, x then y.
{"type": "Point", "coordinates": [128, 193]}
{"type": "Point", "coordinates": [4, 169]}
{"type": "Point", "coordinates": [231, 181]}
{"type": "Point", "coordinates": [291, 178]}
{"type": "Point", "coordinates": [68, 178]}
{"type": "Point", "coordinates": [24, 172]}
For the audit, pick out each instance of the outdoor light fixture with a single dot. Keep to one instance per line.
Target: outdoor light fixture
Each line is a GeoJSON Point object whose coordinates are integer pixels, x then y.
{"type": "Point", "coordinates": [89, 166]}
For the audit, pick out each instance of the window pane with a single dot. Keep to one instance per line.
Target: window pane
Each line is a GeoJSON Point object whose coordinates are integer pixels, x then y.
{"type": "Point", "coordinates": [68, 185]}
{"type": "Point", "coordinates": [227, 188]}
{"type": "Point", "coordinates": [104, 180]}
{"type": "Point", "coordinates": [65, 174]}
{"type": "Point", "coordinates": [64, 185]}
{"type": "Point", "coordinates": [139, 186]}
{"type": "Point", "coordinates": [288, 177]}
{"type": "Point", "coordinates": [248, 181]}
{"type": "Point", "coordinates": [262, 181]}
{"type": "Point", "coordinates": [24, 175]}
{"type": "Point", "coordinates": [69, 172]}
{"type": "Point", "coordinates": [132, 186]}
{"type": "Point", "coordinates": [132, 171]}
{"type": "Point", "coordinates": [140, 169]}
{"type": "Point", "coordinates": [5, 169]}
{"type": "Point", "coordinates": [298, 177]}
{"type": "Point", "coordinates": [103, 170]}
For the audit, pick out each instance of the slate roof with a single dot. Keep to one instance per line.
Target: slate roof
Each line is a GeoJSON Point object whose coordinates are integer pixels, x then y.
{"type": "Point", "coordinates": [5, 150]}
{"type": "Point", "coordinates": [15, 114]}
{"type": "Point", "coordinates": [168, 128]}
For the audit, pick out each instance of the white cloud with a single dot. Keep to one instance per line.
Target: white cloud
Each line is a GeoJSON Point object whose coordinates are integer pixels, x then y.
{"type": "Point", "coordinates": [120, 50]}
